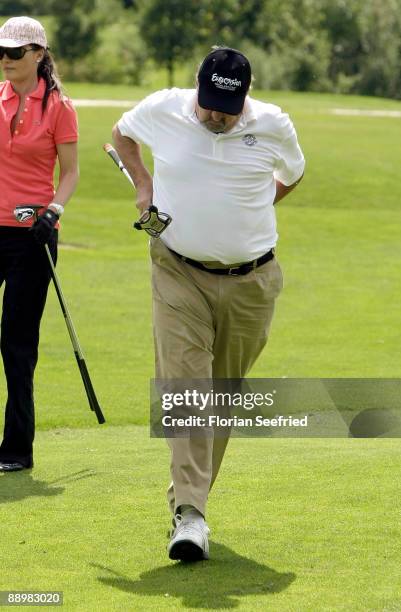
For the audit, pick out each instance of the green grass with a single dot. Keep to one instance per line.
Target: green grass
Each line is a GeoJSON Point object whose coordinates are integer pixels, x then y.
{"type": "Point", "coordinates": [314, 519]}
{"type": "Point", "coordinates": [298, 525]}
{"type": "Point", "coordinates": [310, 101]}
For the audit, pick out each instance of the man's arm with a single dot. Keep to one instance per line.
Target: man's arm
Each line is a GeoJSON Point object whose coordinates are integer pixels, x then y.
{"type": "Point", "coordinates": [283, 190]}
{"type": "Point", "coordinates": [130, 154]}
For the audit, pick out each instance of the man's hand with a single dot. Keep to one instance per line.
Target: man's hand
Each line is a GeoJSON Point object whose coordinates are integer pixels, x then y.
{"type": "Point", "coordinates": [144, 197]}
{"type": "Point", "coordinates": [43, 228]}
{"type": "Point", "coordinates": [283, 190]}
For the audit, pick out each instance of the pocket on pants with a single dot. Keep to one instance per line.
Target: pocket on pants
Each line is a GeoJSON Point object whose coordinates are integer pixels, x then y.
{"type": "Point", "coordinates": [270, 278]}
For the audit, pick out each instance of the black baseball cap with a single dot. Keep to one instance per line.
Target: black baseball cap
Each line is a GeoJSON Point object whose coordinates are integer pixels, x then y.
{"type": "Point", "coordinates": [223, 81]}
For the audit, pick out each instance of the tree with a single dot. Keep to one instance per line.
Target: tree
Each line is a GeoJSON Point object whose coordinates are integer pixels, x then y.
{"type": "Point", "coordinates": [380, 23]}
{"type": "Point", "coordinates": [342, 24]}
{"type": "Point", "coordinates": [231, 22]}
{"type": "Point", "coordinates": [10, 8]}
{"type": "Point", "coordinates": [170, 30]}
{"type": "Point", "coordinates": [298, 47]}
{"type": "Point", "coordinates": [76, 29]}
{"type": "Point", "coordinates": [14, 8]}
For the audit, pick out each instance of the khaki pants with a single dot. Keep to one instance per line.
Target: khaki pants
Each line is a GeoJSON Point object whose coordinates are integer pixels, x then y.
{"type": "Point", "coordinates": [206, 326]}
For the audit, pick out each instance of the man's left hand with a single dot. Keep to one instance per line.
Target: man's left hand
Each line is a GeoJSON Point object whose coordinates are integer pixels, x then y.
{"type": "Point", "coordinates": [43, 228]}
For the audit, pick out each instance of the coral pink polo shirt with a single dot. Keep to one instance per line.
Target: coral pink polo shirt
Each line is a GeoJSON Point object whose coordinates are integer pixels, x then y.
{"type": "Point", "coordinates": [28, 157]}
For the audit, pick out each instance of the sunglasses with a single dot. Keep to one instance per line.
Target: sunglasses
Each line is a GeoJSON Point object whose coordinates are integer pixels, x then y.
{"type": "Point", "coordinates": [14, 53]}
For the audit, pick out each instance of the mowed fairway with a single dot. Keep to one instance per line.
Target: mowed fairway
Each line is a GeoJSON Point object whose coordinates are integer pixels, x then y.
{"type": "Point", "coordinates": [297, 525]}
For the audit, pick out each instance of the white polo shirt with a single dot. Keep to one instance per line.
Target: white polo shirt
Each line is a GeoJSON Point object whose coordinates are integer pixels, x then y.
{"type": "Point", "coordinates": [218, 188]}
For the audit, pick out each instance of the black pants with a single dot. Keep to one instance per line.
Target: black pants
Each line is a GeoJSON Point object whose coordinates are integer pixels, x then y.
{"type": "Point", "coordinates": [25, 269]}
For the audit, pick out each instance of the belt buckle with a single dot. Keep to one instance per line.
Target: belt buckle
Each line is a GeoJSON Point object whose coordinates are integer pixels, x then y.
{"type": "Point", "coordinates": [231, 273]}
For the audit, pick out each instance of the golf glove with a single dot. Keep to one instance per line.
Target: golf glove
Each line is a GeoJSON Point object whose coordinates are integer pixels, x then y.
{"type": "Point", "coordinates": [43, 228]}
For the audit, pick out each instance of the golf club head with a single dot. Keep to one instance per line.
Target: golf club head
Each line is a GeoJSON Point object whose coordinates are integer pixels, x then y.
{"type": "Point", "coordinates": [23, 212]}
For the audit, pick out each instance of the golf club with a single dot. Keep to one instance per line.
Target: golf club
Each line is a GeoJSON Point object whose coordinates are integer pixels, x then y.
{"type": "Point", "coordinates": [23, 213]}
{"type": "Point", "coordinates": [152, 221]}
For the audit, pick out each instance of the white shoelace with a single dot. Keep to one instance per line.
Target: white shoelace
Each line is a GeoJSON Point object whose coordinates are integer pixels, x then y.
{"type": "Point", "coordinates": [186, 525]}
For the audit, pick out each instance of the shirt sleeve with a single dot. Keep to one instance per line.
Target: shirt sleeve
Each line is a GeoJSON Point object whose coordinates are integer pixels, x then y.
{"type": "Point", "coordinates": [66, 125]}
{"type": "Point", "coordinates": [137, 123]}
{"type": "Point", "coordinates": [291, 163]}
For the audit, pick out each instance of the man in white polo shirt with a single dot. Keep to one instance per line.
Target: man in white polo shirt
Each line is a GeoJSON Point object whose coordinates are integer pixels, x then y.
{"type": "Point", "coordinates": [221, 161]}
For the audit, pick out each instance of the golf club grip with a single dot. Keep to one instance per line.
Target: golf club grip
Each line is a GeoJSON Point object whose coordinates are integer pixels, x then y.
{"type": "Point", "coordinates": [114, 155]}
{"type": "Point", "coordinates": [90, 392]}
{"type": "Point", "coordinates": [110, 150]}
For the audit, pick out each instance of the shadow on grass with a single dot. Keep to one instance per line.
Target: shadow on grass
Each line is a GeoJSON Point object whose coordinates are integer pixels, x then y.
{"type": "Point", "coordinates": [20, 485]}
{"type": "Point", "coordinates": [215, 584]}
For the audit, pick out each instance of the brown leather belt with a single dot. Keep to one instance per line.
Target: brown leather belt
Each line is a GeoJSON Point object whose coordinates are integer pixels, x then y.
{"type": "Point", "coordinates": [233, 271]}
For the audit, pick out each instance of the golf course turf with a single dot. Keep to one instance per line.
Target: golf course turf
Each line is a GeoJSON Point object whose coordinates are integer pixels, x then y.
{"type": "Point", "coordinates": [296, 525]}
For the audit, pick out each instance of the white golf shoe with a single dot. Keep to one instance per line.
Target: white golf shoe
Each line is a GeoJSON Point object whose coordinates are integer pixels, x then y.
{"type": "Point", "coordinates": [189, 539]}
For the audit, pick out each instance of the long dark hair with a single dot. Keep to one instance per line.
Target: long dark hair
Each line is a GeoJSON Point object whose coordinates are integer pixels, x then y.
{"type": "Point", "coordinates": [48, 71]}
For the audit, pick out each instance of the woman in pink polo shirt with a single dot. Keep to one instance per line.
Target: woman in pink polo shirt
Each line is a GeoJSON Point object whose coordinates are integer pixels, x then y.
{"type": "Point", "coordinates": [38, 127]}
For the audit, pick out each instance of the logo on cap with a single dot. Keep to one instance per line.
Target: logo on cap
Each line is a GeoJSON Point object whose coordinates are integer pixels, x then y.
{"type": "Point", "coordinates": [225, 82]}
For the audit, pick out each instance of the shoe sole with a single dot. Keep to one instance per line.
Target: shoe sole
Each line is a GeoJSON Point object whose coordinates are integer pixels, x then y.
{"type": "Point", "coordinates": [15, 469]}
{"type": "Point", "coordinates": [185, 550]}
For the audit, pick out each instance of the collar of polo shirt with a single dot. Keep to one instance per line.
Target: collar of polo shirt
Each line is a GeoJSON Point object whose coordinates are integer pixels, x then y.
{"type": "Point", "coordinates": [8, 91]}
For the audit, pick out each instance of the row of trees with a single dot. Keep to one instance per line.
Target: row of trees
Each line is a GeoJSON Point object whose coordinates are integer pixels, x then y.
{"type": "Point", "coordinates": [322, 45]}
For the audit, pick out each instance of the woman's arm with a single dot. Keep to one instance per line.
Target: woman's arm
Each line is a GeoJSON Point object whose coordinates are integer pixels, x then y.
{"type": "Point", "coordinates": [69, 172]}
{"type": "Point", "coordinates": [68, 179]}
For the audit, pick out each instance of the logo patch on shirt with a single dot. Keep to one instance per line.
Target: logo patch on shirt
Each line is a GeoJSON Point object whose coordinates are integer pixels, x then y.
{"type": "Point", "coordinates": [249, 139]}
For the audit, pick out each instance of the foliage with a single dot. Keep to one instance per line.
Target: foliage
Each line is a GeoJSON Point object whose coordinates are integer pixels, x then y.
{"type": "Point", "coordinates": [170, 31]}
{"type": "Point", "coordinates": [108, 40]}
{"type": "Point", "coordinates": [349, 46]}
{"type": "Point", "coordinates": [299, 48]}
{"type": "Point", "coordinates": [287, 34]}
{"type": "Point", "coordinates": [380, 24]}
{"type": "Point", "coordinates": [340, 21]}
{"type": "Point", "coordinates": [119, 56]}
{"type": "Point", "coordinates": [14, 8]}
{"type": "Point", "coordinates": [76, 30]}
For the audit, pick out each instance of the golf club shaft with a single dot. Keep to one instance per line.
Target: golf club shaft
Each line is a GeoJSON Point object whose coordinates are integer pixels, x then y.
{"type": "Point", "coordinates": [90, 392]}
{"type": "Point", "coordinates": [116, 159]}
